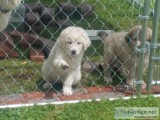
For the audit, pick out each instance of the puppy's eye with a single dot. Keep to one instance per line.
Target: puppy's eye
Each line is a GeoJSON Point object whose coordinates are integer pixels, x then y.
{"type": "Point", "coordinates": [78, 43]}
{"type": "Point", "coordinates": [69, 42]}
{"type": "Point", "coordinates": [135, 39]}
{"type": "Point", "coordinates": [149, 40]}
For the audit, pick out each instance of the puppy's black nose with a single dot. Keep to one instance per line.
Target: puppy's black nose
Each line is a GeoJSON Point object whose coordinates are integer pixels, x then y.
{"type": "Point", "coordinates": [73, 52]}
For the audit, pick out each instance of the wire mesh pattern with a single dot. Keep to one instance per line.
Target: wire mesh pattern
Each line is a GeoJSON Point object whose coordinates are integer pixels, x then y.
{"type": "Point", "coordinates": [34, 28]}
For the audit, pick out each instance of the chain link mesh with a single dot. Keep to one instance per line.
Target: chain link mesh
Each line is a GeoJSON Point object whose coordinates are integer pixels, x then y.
{"type": "Point", "coordinates": [35, 26]}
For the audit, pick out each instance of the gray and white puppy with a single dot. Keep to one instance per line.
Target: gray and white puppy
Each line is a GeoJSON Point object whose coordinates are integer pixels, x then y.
{"type": "Point", "coordinates": [120, 51]}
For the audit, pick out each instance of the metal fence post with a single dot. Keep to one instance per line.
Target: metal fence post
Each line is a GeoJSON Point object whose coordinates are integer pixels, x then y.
{"type": "Point", "coordinates": [153, 44]}
{"type": "Point", "coordinates": [142, 47]}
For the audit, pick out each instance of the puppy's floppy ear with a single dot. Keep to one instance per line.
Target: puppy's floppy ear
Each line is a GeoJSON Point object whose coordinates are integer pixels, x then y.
{"type": "Point", "coordinates": [149, 34]}
{"type": "Point", "coordinates": [10, 4]}
{"type": "Point", "coordinates": [61, 40]}
{"type": "Point", "coordinates": [128, 37]}
{"type": "Point", "coordinates": [87, 41]}
{"type": "Point", "coordinates": [134, 34]}
{"type": "Point", "coordinates": [102, 34]}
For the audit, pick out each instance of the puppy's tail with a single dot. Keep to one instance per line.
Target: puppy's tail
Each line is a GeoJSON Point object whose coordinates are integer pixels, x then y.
{"type": "Point", "coordinates": [102, 35]}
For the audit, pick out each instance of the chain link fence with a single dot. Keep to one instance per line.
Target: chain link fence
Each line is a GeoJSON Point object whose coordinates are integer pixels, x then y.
{"type": "Point", "coordinates": [33, 30]}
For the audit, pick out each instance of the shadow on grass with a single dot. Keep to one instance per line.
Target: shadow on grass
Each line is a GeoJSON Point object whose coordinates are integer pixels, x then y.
{"type": "Point", "coordinates": [57, 86]}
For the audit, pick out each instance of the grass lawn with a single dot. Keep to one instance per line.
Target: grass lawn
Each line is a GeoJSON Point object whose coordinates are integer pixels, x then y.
{"type": "Point", "coordinates": [103, 110]}
{"type": "Point", "coordinates": [17, 76]}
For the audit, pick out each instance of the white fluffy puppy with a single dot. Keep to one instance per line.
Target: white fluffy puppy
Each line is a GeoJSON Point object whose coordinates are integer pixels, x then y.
{"type": "Point", "coordinates": [64, 61]}
{"type": "Point", "coordinates": [6, 7]}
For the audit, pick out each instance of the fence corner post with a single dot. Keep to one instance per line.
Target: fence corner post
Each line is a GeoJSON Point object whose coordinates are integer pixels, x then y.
{"type": "Point", "coordinates": [156, 18]}
{"type": "Point", "coordinates": [139, 78]}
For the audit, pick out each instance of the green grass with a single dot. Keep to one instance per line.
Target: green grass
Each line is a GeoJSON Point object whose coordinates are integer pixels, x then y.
{"type": "Point", "coordinates": [18, 76]}
{"type": "Point", "coordinates": [103, 110]}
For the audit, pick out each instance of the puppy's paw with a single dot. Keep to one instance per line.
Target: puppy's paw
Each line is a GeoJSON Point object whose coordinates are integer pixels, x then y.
{"type": "Point", "coordinates": [108, 79]}
{"type": "Point", "coordinates": [132, 84]}
{"type": "Point", "coordinates": [46, 85]}
{"type": "Point", "coordinates": [65, 66]}
{"type": "Point", "coordinates": [143, 85]}
{"type": "Point", "coordinates": [67, 91]}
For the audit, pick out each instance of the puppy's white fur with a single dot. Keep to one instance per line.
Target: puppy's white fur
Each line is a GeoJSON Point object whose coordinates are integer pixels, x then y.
{"type": "Point", "coordinates": [64, 61]}
{"type": "Point", "coordinates": [6, 7]}
{"type": "Point", "coordinates": [119, 51]}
